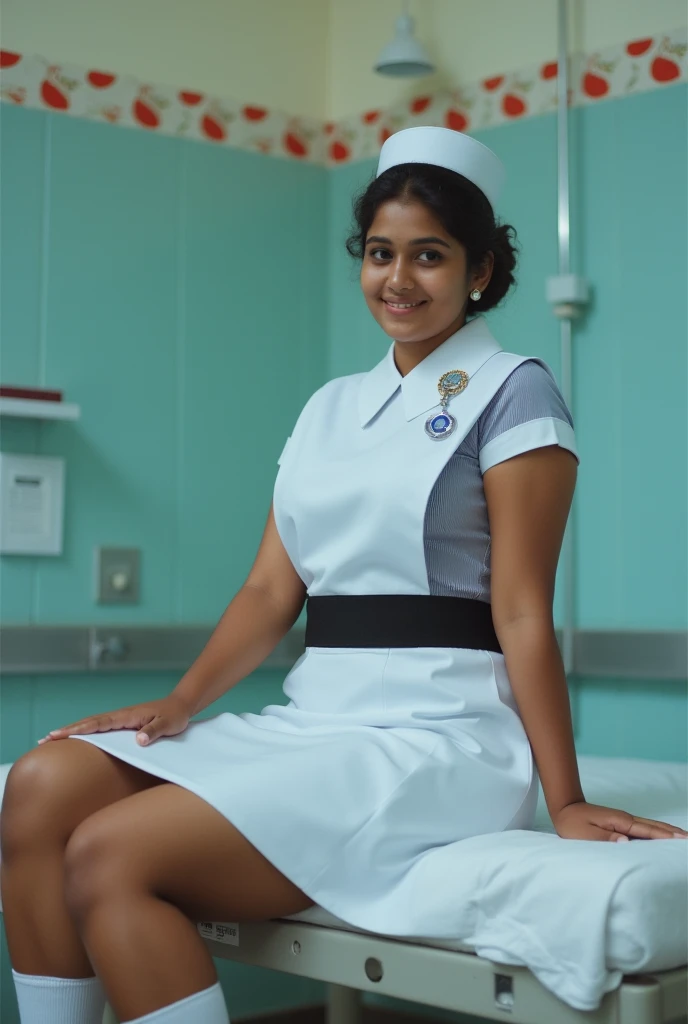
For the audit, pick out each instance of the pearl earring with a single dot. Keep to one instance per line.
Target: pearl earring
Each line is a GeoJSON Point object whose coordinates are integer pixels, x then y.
{"type": "Point", "coordinates": [476, 294]}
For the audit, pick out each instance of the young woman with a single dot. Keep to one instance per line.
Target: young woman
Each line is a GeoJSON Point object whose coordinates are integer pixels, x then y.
{"type": "Point", "coordinates": [420, 507]}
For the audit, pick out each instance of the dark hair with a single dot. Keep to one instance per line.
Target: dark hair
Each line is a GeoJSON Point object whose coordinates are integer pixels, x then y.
{"type": "Point", "coordinates": [461, 208]}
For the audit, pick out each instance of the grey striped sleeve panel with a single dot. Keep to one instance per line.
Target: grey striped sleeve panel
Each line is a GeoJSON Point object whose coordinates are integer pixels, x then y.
{"type": "Point", "coordinates": [456, 528]}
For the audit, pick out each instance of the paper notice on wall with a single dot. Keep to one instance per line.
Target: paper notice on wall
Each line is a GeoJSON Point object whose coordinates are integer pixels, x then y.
{"type": "Point", "coordinates": [31, 504]}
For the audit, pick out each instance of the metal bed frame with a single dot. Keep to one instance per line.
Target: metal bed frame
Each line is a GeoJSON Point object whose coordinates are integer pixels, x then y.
{"type": "Point", "coordinates": [353, 962]}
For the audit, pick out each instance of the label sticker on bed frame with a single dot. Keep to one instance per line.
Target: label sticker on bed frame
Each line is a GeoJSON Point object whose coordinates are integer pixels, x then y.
{"type": "Point", "coordinates": [227, 932]}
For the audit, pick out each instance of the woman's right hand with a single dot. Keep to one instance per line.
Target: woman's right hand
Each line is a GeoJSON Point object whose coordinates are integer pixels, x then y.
{"type": "Point", "coordinates": [166, 717]}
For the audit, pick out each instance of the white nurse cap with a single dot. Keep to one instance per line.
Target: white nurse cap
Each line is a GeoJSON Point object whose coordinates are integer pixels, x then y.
{"type": "Point", "coordinates": [446, 148]}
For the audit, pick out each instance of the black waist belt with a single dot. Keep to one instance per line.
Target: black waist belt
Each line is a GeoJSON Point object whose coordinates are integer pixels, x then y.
{"type": "Point", "coordinates": [400, 620]}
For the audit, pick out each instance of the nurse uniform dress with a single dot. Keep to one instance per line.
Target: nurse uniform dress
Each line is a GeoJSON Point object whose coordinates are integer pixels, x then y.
{"type": "Point", "coordinates": [382, 755]}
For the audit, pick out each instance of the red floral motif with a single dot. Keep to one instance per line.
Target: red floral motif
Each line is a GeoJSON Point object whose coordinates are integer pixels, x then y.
{"type": "Point", "coordinates": [594, 85]}
{"type": "Point", "coordinates": [100, 79]}
{"type": "Point", "coordinates": [664, 70]}
{"type": "Point", "coordinates": [639, 47]}
{"type": "Point", "coordinates": [420, 104]}
{"type": "Point", "coordinates": [54, 96]}
{"type": "Point", "coordinates": [512, 105]}
{"type": "Point", "coordinates": [456, 120]}
{"type": "Point", "coordinates": [646, 61]}
{"type": "Point", "coordinates": [255, 113]}
{"type": "Point", "coordinates": [147, 107]}
{"type": "Point", "coordinates": [339, 151]}
{"type": "Point", "coordinates": [295, 145]}
{"type": "Point", "coordinates": [144, 113]}
{"type": "Point", "coordinates": [213, 128]}
{"type": "Point", "coordinates": [8, 58]}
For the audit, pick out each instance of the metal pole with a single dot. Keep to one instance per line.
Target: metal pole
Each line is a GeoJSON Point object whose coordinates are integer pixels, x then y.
{"type": "Point", "coordinates": [564, 233]}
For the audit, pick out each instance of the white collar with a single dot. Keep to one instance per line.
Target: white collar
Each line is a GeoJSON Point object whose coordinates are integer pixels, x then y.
{"type": "Point", "coordinates": [467, 350]}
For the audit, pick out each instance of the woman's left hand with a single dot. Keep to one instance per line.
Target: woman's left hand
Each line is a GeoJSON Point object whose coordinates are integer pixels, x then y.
{"type": "Point", "coordinates": [589, 821]}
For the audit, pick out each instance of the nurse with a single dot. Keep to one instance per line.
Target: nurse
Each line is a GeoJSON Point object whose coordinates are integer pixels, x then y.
{"type": "Point", "coordinates": [419, 509]}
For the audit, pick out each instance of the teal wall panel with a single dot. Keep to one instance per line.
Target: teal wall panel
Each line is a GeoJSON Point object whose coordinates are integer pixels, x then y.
{"type": "Point", "coordinates": [630, 365]}
{"type": "Point", "coordinates": [646, 718]}
{"type": "Point", "coordinates": [356, 341]}
{"type": "Point", "coordinates": [253, 348]}
{"type": "Point", "coordinates": [184, 308]}
{"type": "Point", "coordinates": [110, 313]}
{"type": "Point", "coordinates": [22, 186]}
{"type": "Point", "coordinates": [22, 220]}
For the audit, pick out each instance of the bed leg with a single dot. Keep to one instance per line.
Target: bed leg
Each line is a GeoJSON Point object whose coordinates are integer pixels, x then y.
{"type": "Point", "coordinates": [109, 1017]}
{"type": "Point", "coordinates": [343, 1005]}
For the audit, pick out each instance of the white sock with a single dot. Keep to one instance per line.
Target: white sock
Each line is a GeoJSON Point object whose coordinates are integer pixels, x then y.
{"type": "Point", "coordinates": [59, 1000]}
{"type": "Point", "coordinates": [207, 1006]}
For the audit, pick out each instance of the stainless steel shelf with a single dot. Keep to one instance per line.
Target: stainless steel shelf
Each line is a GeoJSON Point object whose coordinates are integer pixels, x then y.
{"type": "Point", "coordinates": [57, 650]}
{"type": "Point", "coordinates": [48, 650]}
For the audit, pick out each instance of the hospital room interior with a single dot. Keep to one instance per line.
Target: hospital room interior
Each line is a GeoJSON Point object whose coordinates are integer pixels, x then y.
{"type": "Point", "coordinates": [176, 186]}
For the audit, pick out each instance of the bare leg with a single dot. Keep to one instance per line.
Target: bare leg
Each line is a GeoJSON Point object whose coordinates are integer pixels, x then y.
{"type": "Point", "coordinates": [49, 792]}
{"type": "Point", "coordinates": [141, 872]}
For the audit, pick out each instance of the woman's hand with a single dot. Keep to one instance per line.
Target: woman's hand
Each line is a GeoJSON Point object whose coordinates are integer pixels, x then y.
{"type": "Point", "coordinates": [166, 717]}
{"type": "Point", "coordinates": [589, 821]}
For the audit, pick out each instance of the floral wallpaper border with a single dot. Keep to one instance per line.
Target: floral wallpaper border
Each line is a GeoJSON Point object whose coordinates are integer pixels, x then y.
{"type": "Point", "coordinates": [101, 95]}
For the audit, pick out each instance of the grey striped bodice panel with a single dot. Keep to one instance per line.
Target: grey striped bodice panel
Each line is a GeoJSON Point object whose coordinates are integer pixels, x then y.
{"type": "Point", "coordinates": [456, 530]}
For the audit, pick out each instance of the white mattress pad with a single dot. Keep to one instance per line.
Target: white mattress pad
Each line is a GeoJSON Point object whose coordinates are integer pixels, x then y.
{"type": "Point", "coordinates": [578, 914]}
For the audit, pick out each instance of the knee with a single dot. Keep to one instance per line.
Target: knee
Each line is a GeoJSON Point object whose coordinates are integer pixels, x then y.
{"type": "Point", "coordinates": [92, 866]}
{"type": "Point", "coordinates": [38, 785]}
{"type": "Point", "coordinates": [27, 797]}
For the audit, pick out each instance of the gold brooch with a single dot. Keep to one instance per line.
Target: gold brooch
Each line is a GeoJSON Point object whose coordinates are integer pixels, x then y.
{"type": "Point", "coordinates": [442, 424]}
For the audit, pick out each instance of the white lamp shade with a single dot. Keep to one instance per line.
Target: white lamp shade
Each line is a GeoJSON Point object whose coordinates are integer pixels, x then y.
{"type": "Point", "coordinates": [404, 56]}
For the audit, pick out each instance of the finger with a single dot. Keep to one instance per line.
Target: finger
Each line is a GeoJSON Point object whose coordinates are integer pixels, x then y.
{"type": "Point", "coordinates": [98, 723]}
{"type": "Point", "coordinates": [150, 732]}
{"type": "Point", "coordinates": [640, 828]}
{"type": "Point", "coordinates": [674, 829]}
{"type": "Point", "coordinates": [85, 725]}
{"type": "Point", "coordinates": [636, 827]}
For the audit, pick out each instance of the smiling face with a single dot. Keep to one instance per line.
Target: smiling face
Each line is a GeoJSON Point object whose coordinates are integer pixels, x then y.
{"type": "Point", "coordinates": [415, 278]}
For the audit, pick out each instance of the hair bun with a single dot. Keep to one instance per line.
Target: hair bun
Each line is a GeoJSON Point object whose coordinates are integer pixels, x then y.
{"type": "Point", "coordinates": [505, 255]}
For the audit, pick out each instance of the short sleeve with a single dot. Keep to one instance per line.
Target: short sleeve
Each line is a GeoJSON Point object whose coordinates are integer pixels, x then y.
{"type": "Point", "coordinates": [528, 411]}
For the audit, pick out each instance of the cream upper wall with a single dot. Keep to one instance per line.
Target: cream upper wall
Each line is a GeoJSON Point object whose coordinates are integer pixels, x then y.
{"type": "Point", "coordinates": [314, 57]}
{"type": "Point", "coordinates": [473, 39]}
{"type": "Point", "coordinates": [268, 52]}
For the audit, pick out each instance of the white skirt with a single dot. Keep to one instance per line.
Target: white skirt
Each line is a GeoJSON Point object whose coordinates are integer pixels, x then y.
{"type": "Point", "coordinates": [380, 757]}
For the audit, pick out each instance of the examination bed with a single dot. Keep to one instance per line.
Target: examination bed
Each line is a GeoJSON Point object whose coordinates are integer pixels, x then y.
{"type": "Point", "coordinates": [538, 930]}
